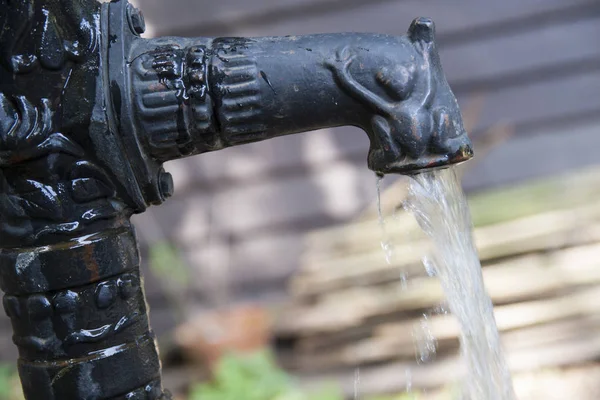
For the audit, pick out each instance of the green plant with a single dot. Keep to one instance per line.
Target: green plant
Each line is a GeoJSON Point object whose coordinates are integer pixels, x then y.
{"type": "Point", "coordinates": [254, 377]}
{"type": "Point", "coordinates": [403, 396]}
{"type": "Point", "coordinates": [167, 264]}
{"type": "Point", "coordinates": [10, 388]}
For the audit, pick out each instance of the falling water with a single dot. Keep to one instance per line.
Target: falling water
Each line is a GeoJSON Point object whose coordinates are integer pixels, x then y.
{"type": "Point", "coordinates": [425, 341]}
{"type": "Point", "coordinates": [440, 207]}
{"type": "Point", "coordinates": [386, 243]}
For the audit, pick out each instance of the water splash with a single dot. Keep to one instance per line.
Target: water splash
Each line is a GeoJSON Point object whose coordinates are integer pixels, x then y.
{"type": "Point", "coordinates": [425, 341]}
{"type": "Point", "coordinates": [429, 266]}
{"type": "Point", "coordinates": [439, 205]}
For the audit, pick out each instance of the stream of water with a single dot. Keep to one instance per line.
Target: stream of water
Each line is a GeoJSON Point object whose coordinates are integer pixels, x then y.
{"type": "Point", "coordinates": [440, 207]}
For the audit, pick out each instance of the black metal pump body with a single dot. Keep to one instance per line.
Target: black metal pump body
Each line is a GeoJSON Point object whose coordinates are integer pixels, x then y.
{"type": "Point", "coordinates": [89, 112]}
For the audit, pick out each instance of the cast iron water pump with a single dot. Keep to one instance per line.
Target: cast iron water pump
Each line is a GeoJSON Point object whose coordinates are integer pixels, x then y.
{"type": "Point", "coordinates": [89, 112]}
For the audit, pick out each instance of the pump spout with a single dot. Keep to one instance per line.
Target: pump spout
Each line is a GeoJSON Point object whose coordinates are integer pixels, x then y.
{"type": "Point", "coordinates": [192, 96]}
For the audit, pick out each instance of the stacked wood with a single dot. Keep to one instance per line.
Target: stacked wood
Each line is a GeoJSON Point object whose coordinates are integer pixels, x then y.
{"type": "Point", "coordinates": [540, 248]}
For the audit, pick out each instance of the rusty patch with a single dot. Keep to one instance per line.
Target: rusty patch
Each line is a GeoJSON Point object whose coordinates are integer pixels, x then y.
{"type": "Point", "coordinates": [91, 264]}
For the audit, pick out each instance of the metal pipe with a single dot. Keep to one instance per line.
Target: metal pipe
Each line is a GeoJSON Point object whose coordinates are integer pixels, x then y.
{"type": "Point", "coordinates": [89, 112]}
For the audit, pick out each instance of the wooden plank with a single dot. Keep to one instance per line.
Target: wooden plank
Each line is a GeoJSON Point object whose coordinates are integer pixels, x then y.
{"type": "Point", "coordinates": [273, 17]}
{"type": "Point", "coordinates": [382, 350]}
{"type": "Point", "coordinates": [508, 281]}
{"type": "Point", "coordinates": [344, 266]}
{"type": "Point", "coordinates": [338, 192]}
{"type": "Point", "coordinates": [392, 341]}
{"type": "Point", "coordinates": [541, 100]}
{"type": "Point", "coordinates": [287, 157]}
{"type": "Point", "coordinates": [252, 265]}
{"type": "Point", "coordinates": [543, 152]}
{"type": "Point", "coordinates": [570, 189]}
{"type": "Point", "coordinates": [183, 219]}
{"type": "Point", "coordinates": [395, 377]}
{"type": "Point", "coordinates": [527, 51]}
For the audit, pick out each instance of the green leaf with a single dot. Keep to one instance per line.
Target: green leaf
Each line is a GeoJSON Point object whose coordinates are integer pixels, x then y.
{"type": "Point", "coordinates": [254, 377]}
{"type": "Point", "coordinates": [166, 263]}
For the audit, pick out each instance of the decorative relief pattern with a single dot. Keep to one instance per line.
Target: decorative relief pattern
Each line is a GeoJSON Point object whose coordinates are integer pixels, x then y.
{"type": "Point", "coordinates": [235, 79]}
{"type": "Point", "coordinates": [411, 91]}
{"type": "Point", "coordinates": [172, 102]}
{"type": "Point", "coordinates": [49, 183]}
{"type": "Point", "coordinates": [409, 119]}
{"type": "Point", "coordinates": [46, 185]}
{"type": "Point", "coordinates": [54, 324]}
{"type": "Point", "coordinates": [58, 38]}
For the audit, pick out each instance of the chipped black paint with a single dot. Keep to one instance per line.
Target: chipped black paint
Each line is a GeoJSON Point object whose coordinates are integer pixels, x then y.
{"type": "Point", "coordinates": [89, 112]}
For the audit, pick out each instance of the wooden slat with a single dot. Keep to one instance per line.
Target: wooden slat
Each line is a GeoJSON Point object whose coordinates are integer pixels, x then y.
{"type": "Point", "coordinates": [371, 269]}
{"type": "Point", "coordinates": [537, 154]}
{"type": "Point", "coordinates": [397, 340]}
{"type": "Point", "coordinates": [543, 215]}
{"type": "Point", "coordinates": [249, 266]}
{"type": "Point", "coordinates": [563, 196]}
{"type": "Point", "coordinates": [268, 17]}
{"type": "Point", "coordinates": [512, 53]}
{"type": "Point", "coordinates": [575, 347]}
{"type": "Point", "coordinates": [542, 100]}
{"type": "Point", "coordinates": [285, 157]}
{"type": "Point", "coordinates": [508, 281]}
{"type": "Point", "coordinates": [339, 191]}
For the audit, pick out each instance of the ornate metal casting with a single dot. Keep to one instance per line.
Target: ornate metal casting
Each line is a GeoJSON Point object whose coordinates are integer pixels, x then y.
{"type": "Point", "coordinates": [89, 112]}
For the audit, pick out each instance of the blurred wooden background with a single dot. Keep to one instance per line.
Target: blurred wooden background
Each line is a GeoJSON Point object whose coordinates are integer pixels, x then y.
{"type": "Point", "coordinates": [529, 67]}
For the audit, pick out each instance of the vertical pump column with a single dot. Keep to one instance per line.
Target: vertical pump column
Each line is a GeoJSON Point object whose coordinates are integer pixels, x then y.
{"type": "Point", "coordinates": [69, 262]}
{"type": "Point", "coordinates": [79, 319]}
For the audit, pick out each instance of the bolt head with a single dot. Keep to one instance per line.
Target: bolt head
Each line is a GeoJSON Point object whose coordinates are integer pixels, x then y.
{"type": "Point", "coordinates": [136, 19]}
{"type": "Point", "coordinates": [166, 185]}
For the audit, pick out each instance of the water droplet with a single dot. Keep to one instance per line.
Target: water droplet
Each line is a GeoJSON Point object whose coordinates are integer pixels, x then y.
{"type": "Point", "coordinates": [425, 341]}
{"type": "Point", "coordinates": [430, 266]}
{"type": "Point", "coordinates": [379, 212]}
{"type": "Point", "coordinates": [403, 280]}
{"type": "Point", "coordinates": [388, 250]}
{"type": "Point", "coordinates": [441, 309]}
